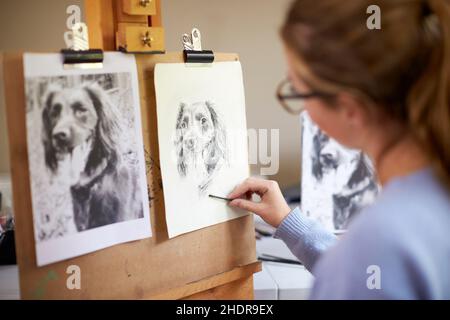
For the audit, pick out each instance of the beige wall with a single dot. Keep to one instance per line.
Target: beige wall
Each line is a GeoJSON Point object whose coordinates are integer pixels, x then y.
{"type": "Point", "coordinates": [33, 25]}
{"type": "Point", "coordinates": [248, 27]}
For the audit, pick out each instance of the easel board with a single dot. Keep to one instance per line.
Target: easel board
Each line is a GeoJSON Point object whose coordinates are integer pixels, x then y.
{"type": "Point", "coordinates": [154, 267]}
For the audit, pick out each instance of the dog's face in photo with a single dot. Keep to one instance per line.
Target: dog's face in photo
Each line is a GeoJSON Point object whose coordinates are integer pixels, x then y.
{"type": "Point", "coordinates": [77, 121]}
{"type": "Point", "coordinates": [72, 118]}
{"type": "Point", "coordinates": [81, 129]}
{"type": "Point", "coordinates": [200, 141]}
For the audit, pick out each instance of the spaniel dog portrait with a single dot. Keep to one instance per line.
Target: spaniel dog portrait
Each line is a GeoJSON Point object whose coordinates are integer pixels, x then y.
{"type": "Point", "coordinates": [200, 143]}
{"type": "Point", "coordinates": [346, 174]}
{"type": "Point", "coordinates": [80, 125]}
{"type": "Point", "coordinates": [357, 193]}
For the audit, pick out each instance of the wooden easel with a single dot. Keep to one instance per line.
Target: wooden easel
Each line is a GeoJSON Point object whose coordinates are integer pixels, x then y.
{"type": "Point", "coordinates": [217, 262]}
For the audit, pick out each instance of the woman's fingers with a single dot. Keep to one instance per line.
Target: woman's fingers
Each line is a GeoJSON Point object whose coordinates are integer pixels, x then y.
{"type": "Point", "coordinates": [239, 190]}
{"type": "Point", "coordinates": [248, 205]}
{"type": "Point", "coordinates": [250, 185]}
{"type": "Point", "coordinates": [272, 208]}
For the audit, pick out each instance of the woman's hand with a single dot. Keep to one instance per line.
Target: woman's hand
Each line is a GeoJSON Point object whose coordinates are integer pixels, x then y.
{"type": "Point", "coordinates": [272, 208]}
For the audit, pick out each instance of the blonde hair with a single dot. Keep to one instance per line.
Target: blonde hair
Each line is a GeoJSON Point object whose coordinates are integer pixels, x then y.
{"type": "Point", "coordinates": [404, 68]}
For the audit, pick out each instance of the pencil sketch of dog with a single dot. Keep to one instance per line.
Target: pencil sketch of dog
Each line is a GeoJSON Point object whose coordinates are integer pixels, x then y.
{"type": "Point", "coordinates": [358, 192]}
{"type": "Point", "coordinates": [200, 143]}
{"type": "Point", "coordinates": [81, 125]}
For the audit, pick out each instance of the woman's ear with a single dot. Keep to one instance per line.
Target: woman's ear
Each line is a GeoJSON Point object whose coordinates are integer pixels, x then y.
{"type": "Point", "coordinates": [352, 109]}
{"type": "Point", "coordinates": [354, 118]}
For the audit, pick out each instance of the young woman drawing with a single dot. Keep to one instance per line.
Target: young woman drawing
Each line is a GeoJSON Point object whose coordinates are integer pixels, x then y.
{"type": "Point", "coordinates": [386, 92]}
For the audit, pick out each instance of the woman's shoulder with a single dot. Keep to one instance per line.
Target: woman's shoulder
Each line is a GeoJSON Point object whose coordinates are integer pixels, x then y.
{"type": "Point", "coordinates": [412, 204]}
{"type": "Point", "coordinates": [411, 212]}
{"type": "Point", "coordinates": [404, 236]}
{"type": "Point", "coordinates": [421, 188]}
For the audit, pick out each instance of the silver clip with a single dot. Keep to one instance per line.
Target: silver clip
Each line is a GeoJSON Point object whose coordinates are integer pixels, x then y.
{"type": "Point", "coordinates": [80, 37]}
{"type": "Point", "coordinates": [187, 42]}
{"type": "Point", "coordinates": [192, 41]}
{"type": "Point", "coordinates": [196, 39]}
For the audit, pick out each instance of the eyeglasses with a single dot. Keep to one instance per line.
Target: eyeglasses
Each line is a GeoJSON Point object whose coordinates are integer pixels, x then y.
{"type": "Point", "coordinates": [289, 98]}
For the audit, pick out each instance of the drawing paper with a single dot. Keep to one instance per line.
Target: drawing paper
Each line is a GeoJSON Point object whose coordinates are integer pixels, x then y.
{"type": "Point", "coordinates": [202, 141]}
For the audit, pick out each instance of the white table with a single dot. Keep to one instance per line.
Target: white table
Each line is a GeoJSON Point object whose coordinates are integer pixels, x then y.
{"type": "Point", "coordinates": [279, 280]}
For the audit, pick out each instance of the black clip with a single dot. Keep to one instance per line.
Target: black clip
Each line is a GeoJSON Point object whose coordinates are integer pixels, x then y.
{"type": "Point", "coordinates": [72, 57]}
{"type": "Point", "coordinates": [192, 45]}
{"type": "Point", "coordinates": [79, 56]}
{"type": "Point", "coordinates": [193, 56]}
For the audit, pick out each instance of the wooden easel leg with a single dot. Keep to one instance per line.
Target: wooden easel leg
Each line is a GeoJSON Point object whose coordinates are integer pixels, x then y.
{"type": "Point", "coordinates": [156, 20]}
{"type": "Point", "coordinates": [100, 18]}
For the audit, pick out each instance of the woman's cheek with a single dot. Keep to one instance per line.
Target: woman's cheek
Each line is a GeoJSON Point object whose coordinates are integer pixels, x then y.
{"type": "Point", "coordinates": [320, 117]}
{"type": "Point", "coordinates": [328, 120]}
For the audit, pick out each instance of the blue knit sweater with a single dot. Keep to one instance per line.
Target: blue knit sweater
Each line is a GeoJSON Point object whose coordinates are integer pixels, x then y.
{"type": "Point", "coordinates": [398, 248]}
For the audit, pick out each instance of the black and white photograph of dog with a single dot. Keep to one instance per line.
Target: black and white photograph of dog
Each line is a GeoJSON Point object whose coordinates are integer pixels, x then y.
{"type": "Point", "coordinates": [83, 153]}
{"type": "Point", "coordinates": [200, 143]}
{"type": "Point", "coordinates": [337, 183]}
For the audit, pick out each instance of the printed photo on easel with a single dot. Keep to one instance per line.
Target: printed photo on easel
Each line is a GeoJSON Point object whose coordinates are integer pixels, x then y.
{"type": "Point", "coordinates": [85, 154]}
{"type": "Point", "coordinates": [202, 134]}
